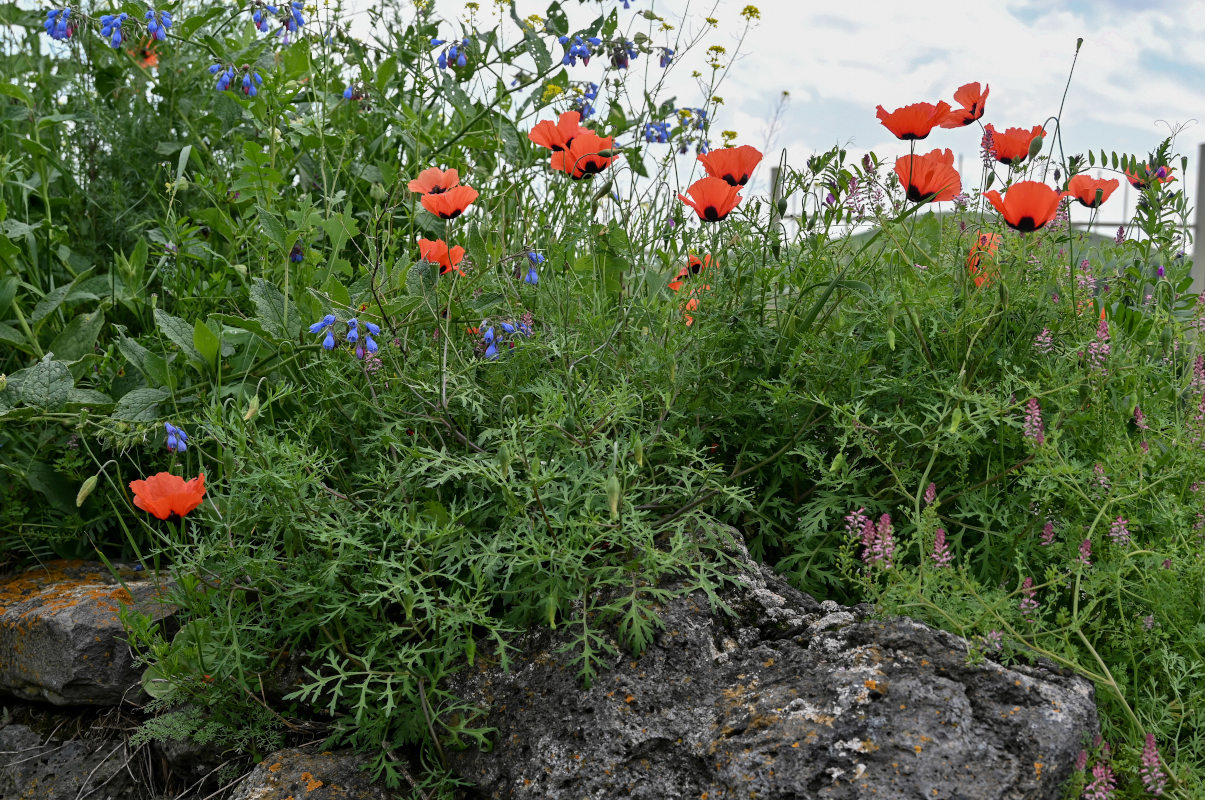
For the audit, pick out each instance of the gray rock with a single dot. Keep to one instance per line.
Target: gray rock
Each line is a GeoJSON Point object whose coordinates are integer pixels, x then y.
{"type": "Point", "coordinates": [33, 767]}
{"type": "Point", "coordinates": [61, 640]}
{"type": "Point", "coordinates": [301, 774]}
{"type": "Point", "coordinates": [789, 699]}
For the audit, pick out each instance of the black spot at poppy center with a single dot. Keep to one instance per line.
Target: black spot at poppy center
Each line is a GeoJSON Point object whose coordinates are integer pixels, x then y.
{"type": "Point", "coordinates": [915, 194]}
{"type": "Point", "coordinates": [712, 214]}
{"type": "Point", "coordinates": [1025, 225]}
{"type": "Point", "coordinates": [436, 190]}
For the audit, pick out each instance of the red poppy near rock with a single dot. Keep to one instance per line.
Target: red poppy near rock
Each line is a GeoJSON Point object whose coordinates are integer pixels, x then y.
{"type": "Point", "coordinates": [1011, 146]}
{"type": "Point", "coordinates": [929, 178]}
{"type": "Point", "coordinates": [437, 252]}
{"type": "Point", "coordinates": [733, 164]}
{"type": "Point", "coordinates": [711, 198]}
{"type": "Point", "coordinates": [694, 267]}
{"type": "Point", "coordinates": [914, 121]}
{"type": "Point", "coordinates": [559, 135]}
{"type": "Point", "coordinates": [1144, 176]}
{"type": "Point", "coordinates": [584, 155]}
{"type": "Point", "coordinates": [972, 100]}
{"type": "Point", "coordinates": [451, 203]}
{"type": "Point", "coordinates": [1026, 206]}
{"type": "Point", "coordinates": [434, 180]}
{"type": "Point", "coordinates": [164, 494]}
{"type": "Point", "coordinates": [985, 246]}
{"type": "Point", "coordinates": [1091, 192]}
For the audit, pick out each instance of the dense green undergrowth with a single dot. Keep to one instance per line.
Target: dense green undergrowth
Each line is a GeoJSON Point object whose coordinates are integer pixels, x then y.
{"type": "Point", "coordinates": [563, 427]}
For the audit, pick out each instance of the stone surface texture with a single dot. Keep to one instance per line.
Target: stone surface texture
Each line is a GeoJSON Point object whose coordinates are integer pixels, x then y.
{"type": "Point", "coordinates": [33, 767]}
{"type": "Point", "coordinates": [786, 700]}
{"type": "Point", "coordinates": [61, 640]}
{"type": "Point", "coordinates": [306, 775]}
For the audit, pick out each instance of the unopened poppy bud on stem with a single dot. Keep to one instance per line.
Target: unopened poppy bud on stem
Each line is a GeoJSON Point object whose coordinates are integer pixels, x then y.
{"type": "Point", "coordinates": [1035, 146]}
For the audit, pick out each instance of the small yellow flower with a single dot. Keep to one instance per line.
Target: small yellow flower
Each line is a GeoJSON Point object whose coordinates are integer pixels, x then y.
{"type": "Point", "coordinates": [751, 13]}
{"type": "Point", "coordinates": [472, 6]}
{"type": "Point", "coordinates": [713, 22]}
{"type": "Point", "coordinates": [719, 101]}
{"type": "Point", "coordinates": [729, 137]}
{"type": "Point", "coordinates": [534, 23]}
{"type": "Point", "coordinates": [551, 91]}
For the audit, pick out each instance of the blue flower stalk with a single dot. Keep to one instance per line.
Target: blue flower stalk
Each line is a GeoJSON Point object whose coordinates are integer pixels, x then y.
{"type": "Point", "coordinates": [533, 276]}
{"type": "Point", "coordinates": [453, 54]}
{"type": "Point", "coordinates": [157, 23]}
{"type": "Point", "coordinates": [297, 254]}
{"type": "Point", "coordinates": [327, 324]}
{"type": "Point", "coordinates": [577, 47]}
{"type": "Point", "coordinates": [58, 24]}
{"type": "Point", "coordinates": [177, 439]}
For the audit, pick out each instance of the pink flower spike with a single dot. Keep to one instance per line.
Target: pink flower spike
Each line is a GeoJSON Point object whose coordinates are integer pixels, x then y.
{"type": "Point", "coordinates": [941, 551]}
{"type": "Point", "coordinates": [1152, 773]}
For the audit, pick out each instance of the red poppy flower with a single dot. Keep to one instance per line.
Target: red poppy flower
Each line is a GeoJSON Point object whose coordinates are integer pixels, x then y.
{"type": "Point", "coordinates": [973, 102]}
{"type": "Point", "coordinates": [1091, 192]}
{"type": "Point", "coordinates": [733, 164]}
{"type": "Point", "coordinates": [929, 178]}
{"type": "Point", "coordinates": [434, 180]}
{"type": "Point", "coordinates": [582, 157]}
{"type": "Point", "coordinates": [1027, 205]}
{"type": "Point", "coordinates": [145, 54]}
{"type": "Point", "coordinates": [694, 266]}
{"type": "Point", "coordinates": [1145, 176]}
{"type": "Point", "coordinates": [914, 121]}
{"type": "Point", "coordinates": [985, 246]}
{"type": "Point", "coordinates": [712, 198]}
{"type": "Point", "coordinates": [451, 203]}
{"type": "Point", "coordinates": [165, 494]}
{"type": "Point", "coordinates": [1011, 146]}
{"type": "Point", "coordinates": [437, 252]}
{"type": "Point", "coordinates": [558, 135]}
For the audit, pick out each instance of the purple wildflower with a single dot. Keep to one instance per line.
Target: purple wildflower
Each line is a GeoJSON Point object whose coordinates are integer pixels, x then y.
{"type": "Point", "coordinates": [1033, 428]}
{"type": "Point", "coordinates": [941, 551]}
{"type": "Point", "coordinates": [1119, 531]}
{"type": "Point", "coordinates": [1048, 533]}
{"type": "Point", "coordinates": [1085, 553]}
{"type": "Point", "coordinates": [931, 494]}
{"type": "Point", "coordinates": [1103, 783]}
{"type": "Point", "coordinates": [1029, 602]}
{"type": "Point", "coordinates": [1152, 774]}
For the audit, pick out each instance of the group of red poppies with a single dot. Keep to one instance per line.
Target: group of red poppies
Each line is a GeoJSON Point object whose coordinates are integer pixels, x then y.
{"type": "Point", "coordinates": [1025, 205]}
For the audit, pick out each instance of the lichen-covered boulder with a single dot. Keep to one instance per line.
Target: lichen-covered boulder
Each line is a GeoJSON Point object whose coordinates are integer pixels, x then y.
{"type": "Point", "coordinates": [35, 767]}
{"type": "Point", "coordinates": [787, 699]}
{"type": "Point", "coordinates": [303, 775]}
{"type": "Point", "coordinates": [61, 639]}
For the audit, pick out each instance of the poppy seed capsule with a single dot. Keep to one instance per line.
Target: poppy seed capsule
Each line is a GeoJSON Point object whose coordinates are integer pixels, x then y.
{"type": "Point", "coordinates": [1035, 146]}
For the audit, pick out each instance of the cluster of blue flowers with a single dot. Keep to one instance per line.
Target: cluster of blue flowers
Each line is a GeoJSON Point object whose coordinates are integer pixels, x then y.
{"type": "Point", "coordinates": [577, 47]}
{"type": "Point", "coordinates": [585, 103]}
{"type": "Point", "coordinates": [368, 346]}
{"type": "Point", "coordinates": [157, 23]}
{"type": "Point", "coordinates": [228, 78]}
{"type": "Point", "coordinates": [667, 55]}
{"type": "Point", "coordinates": [110, 28]}
{"type": "Point", "coordinates": [511, 329]}
{"type": "Point", "coordinates": [454, 53]}
{"type": "Point", "coordinates": [57, 24]}
{"type": "Point", "coordinates": [177, 439]}
{"type": "Point", "coordinates": [532, 276]}
{"type": "Point", "coordinates": [291, 20]}
{"type": "Point", "coordinates": [656, 132]}
{"type": "Point", "coordinates": [353, 92]}
{"type": "Point", "coordinates": [297, 254]}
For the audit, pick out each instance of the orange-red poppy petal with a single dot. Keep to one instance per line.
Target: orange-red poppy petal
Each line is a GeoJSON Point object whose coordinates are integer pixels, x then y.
{"type": "Point", "coordinates": [1011, 145]}
{"type": "Point", "coordinates": [733, 164]}
{"type": "Point", "coordinates": [450, 204]}
{"type": "Point", "coordinates": [584, 157]}
{"type": "Point", "coordinates": [434, 180]}
{"type": "Point", "coordinates": [711, 198]}
{"type": "Point", "coordinates": [914, 121]}
{"type": "Point", "coordinates": [1091, 192]}
{"type": "Point", "coordinates": [1026, 206]}
{"type": "Point", "coordinates": [558, 135]}
{"type": "Point", "coordinates": [438, 252]}
{"type": "Point", "coordinates": [929, 178]}
{"type": "Point", "coordinates": [972, 102]}
{"type": "Point", "coordinates": [164, 494]}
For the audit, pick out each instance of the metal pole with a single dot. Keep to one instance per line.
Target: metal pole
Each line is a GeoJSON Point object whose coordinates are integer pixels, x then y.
{"type": "Point", "coordinates": [1198, 239]}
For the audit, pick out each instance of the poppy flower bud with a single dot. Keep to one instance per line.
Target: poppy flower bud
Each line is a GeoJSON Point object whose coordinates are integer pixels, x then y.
{"type": "Point", "coordinates": [782, 206]}
{"type": "Point", "coordinates": [607, 153]}
{"type": "Point", "coordinates": [613, 493]}
{"type": "Point", "coordinates": [84, 491]}
{"type": "Point", "coordinates": [1035, 146]}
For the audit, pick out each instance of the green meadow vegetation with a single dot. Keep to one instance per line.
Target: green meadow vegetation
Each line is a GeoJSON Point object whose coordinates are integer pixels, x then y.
{"type": "Point", "coordinates": [374, 415]}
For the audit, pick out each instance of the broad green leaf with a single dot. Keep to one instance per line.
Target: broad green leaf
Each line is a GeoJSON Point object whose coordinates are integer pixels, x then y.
{"type": "Point", "coordinates": [152, 365]}
{"type": "Point", "coordinates": [421, 278]}
{"type": "Point", "coordinates": [140, 405]}
{"type": "Point", "coordinates": [8, 290]}
{"type": "Point", "coordinates": [272, 226]}
{"type": "Point", "coordinates": [275, 312]}
{"type": "Point", "coordinates": [206, 342]}
{"type": "Point", "coordinates": [179, 332]}
{"type": "Point", "coordinates": [46, 384]}
{"type": "Point", "coordinates": [79, 337]}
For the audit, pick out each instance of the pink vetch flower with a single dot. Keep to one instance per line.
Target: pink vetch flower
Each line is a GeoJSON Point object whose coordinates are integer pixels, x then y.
{"type": "Point", "coordinates": [1140, 419]}
{"type": "Point", "coordinates": [1028, 603]}
{"type": "Point", "coordinates": [1081, 761]}
{"type": "Point", "coordinates": [1152, 773]}
{"type": "Point", "coordinates": [931, 494]}
{"type": "Point", "coordinates": [1119, 531]}
{"type": "Point", "coordinates": [1121, 234]}
{"type": "Point", "coordinates": [1044, 341]}
{"type": "Point", "coordinates": [1102, 480]}
{"type": "Point", "coordinates": [1148, 622]}
{"type": "Point", "coordinates": [882, 549]}
{"type": "Point", "coordinates": [1033, 428]}
{"type": "Point", "coordinates": [1103, 783]}
{"type": "Point", "coordinates": [1085, 553]}
{"type": "Point", "coordinates": [941, 551]}
{"type": "Point", "coordinates": [1048, 533]}
{"type": "Point", "coordinates": [1098, 350]}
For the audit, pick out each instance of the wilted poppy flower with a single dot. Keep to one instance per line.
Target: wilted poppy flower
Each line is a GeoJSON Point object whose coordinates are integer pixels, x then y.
{"type": "Point", "coordinates": [451, 203]}
{"type": "Point", "coordinates": [985, 246]}
{"type": "Point", "coordinates": [1012, 144]}
{"type": "Point", "coordinates": [1026, 206]}
{"type": "Point", "coordinates": [733, 164]}
{"type": "Point", "coordinates": [437, 252]}
{"type": "Point", "coordinates": [165, 494]}
{"type": "Point", "coordinates": [914, 121]}
{"type": "Point", "coordinates": [712, 198]}
{"type": "Point", "coordinates": [434, 180]}
{"type": "Point", "coordinates": [1145, 176]}
{"type": "Point", "coordinates": [930, 177]}
{"type": "Point", "coordinates": [558, 135]}
{"type": "Point", "coordinates": [583, 157]}
{"type": "Point", "coordinates": [1091, 192]}
{"type": "Point", "coordinates": [973, 102]}
{"type": "Point", "coordinates": [694, 267]}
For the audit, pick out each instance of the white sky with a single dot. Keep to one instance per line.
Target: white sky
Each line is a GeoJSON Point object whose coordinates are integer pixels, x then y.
{"type": "Point", "coordinates": [1141, 69]}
